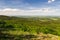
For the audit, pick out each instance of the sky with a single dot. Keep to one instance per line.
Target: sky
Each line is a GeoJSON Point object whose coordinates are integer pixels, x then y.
{"type": "Point", "coordinates": [30, 7]}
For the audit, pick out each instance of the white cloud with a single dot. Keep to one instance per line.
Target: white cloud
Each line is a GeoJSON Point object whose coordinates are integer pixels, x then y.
{"type": "Point", "coordinates": [42, 11]}
{"type": "Point", "coordinates": [50, 1]}
{"type": "Point", "coordinates": [53, 0]}
{"type": "Point", "coordinates": [9, 9]}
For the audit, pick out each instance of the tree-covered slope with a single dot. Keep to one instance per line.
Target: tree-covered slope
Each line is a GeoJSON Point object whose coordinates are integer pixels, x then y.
{"type": "Point", "coordinates": [29, 25]}
{"type": "Point", "coordinates": [33, 24]}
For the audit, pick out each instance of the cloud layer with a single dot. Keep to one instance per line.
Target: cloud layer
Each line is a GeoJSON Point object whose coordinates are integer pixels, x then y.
{"type": "Point", "coordinates": [37, 12]}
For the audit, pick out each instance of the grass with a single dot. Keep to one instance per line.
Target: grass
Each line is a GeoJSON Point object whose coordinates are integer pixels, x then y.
{"type": "Point", "coordinates": [59, 38]}
{"type": "Point", "coordinates": [27, 36]}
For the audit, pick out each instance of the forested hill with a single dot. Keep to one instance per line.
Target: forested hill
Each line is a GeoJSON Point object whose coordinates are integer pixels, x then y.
{"type": "Point", "coordinates": [36, 24]}
{"type": "Point", "coordinates": [7, 17]}
{"type": "Point", "coordinates": [29, 25]}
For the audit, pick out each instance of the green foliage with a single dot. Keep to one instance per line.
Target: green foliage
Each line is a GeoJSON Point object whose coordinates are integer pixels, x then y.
{"type": "Point", "coordinates": [4, 26]}
{"type": "Point", "coordinates": [31, 25]}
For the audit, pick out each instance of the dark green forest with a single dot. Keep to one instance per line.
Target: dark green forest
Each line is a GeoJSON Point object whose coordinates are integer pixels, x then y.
{"type": "Point", "coordinates": [15, 27]}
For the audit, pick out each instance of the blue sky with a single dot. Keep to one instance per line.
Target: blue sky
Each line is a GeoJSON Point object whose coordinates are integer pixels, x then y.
{"type": "Point", "coordinates": [28, 6]}
{"type": "Point", "coordinates": [28, 3]}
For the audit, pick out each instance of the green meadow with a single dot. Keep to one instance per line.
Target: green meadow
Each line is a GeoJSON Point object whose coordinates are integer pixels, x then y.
{"type": "Point", "coordinates": [29, 28]}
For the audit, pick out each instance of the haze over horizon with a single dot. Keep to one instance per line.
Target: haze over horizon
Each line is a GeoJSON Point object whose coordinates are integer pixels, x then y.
{"type": "Point", "coordinates": [30, 7]}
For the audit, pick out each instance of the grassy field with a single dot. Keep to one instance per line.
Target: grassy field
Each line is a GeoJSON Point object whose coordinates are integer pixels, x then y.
{"type": "Point", "coordinates": [59, 38]}
{"type": "Point", "coordinates": [29, 28]}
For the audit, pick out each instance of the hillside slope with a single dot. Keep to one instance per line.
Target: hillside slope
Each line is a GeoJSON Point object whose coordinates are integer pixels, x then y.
{"type": "Point", "coordinates": [30, 25]}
